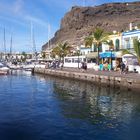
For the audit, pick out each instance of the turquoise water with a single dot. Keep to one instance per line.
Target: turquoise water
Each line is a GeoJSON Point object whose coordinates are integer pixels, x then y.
{"type": "Point", "coordinates": [34, 107]}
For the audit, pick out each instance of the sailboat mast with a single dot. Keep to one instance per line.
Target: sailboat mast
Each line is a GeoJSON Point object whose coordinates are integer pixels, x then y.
{"type": "Point", "coordinates": [33, 44]}
{"type": "Point", "coordinates": [11, 45]}
{"type": "Point", "coordinates": [4, 42]}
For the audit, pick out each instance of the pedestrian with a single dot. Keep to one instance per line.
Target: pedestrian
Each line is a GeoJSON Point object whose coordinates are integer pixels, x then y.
{"type": "Point", "coordinates": [61, 65]}
{"type": "Point", "coordinates": [54, 64]}
{"type": "Point", "coordinates": [82, 66]}
{"type": "Point", "coordinates": [109, 67]}
{"type": "Point", "coordinates": [47, 65]}
{"type": "Point", "coordinates": [126, 69]}
{"type": "Point", "coordinates": [85, 66]}
{"type": "Point", "coordinates": [122, 67]}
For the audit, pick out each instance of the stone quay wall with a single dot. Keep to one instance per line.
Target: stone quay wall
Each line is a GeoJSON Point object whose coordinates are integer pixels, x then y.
{"type": "Point", "coordinates": [99, 79]}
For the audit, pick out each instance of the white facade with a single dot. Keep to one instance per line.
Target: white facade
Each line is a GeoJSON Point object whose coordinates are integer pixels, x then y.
{"type": "Point", "coordinates": [73, 61]}
{"type": "Point", "coordinates": [85, 51]}
{"type": "Point", "coordinates": [128, 37]}
{"type": "Point", "coordinates": [117, 41]}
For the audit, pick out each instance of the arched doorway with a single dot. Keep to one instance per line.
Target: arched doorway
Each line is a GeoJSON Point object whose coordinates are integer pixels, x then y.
{"type": "Point", "coordinates": [117, 44]}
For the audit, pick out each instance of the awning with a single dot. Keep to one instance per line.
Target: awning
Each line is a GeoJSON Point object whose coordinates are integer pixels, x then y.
{"type": "Point", "coordinates": [129, 56]}
{"type": "Point", "coordinates": [92, 55]}
{"type": "Point", "coordinates": [107, 55]}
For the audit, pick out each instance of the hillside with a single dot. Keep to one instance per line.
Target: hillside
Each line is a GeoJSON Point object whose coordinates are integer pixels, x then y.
{"type": "Point", "coordinates": [81, 21]}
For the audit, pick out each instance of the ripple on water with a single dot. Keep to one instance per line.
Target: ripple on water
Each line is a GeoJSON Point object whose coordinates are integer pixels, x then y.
{"type": "Point", "coordinates": [40, 108]}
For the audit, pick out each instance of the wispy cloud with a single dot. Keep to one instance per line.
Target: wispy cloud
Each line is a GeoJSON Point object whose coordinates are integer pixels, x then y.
{"type": "Point", "coordinates": [13, 20]}
{"type": "Point", "coordinates": [36, 20]}
{"type": "Point", "coordinates": [16, 13]}
{"type": "Point", "coordinates": [18, 6]}
{"type": "Point", "coordinates": [12, 7]}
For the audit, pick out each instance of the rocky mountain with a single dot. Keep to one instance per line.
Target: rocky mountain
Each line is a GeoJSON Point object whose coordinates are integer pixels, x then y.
{"type": "Point", "coordinates": [81, 21]}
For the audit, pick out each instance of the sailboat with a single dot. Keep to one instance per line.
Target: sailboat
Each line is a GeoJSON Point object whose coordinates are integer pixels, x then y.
{"type": "Point", "coordinates": [10, 63]}
{"type": "Point", "coordinates": [3, 68]}
{"type": "Point", "coordinates": [32, 63]}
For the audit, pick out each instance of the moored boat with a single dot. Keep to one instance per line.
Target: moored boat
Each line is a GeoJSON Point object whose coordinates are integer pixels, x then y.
{"type": "Point", "coordinates": [3, 69]}
{"type": "Point", "coordinates": [3, 72]}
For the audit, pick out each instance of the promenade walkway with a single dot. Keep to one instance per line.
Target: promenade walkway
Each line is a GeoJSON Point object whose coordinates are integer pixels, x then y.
{"type": "Point", "coordinates": [105, 73]}
{"type": "Point", "coordinates": [109, 78]}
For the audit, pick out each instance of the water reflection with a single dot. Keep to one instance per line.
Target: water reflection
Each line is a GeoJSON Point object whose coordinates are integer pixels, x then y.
{"type": "Point", "coordinates": [99, 105]}
{"type": "Point", "coordinates": [36, 107]}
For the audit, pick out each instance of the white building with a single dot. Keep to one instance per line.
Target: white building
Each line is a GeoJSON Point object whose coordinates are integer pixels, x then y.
{"type": "Point", "coordinates": [128, 37]}
{"type": "Point", "coordinates": [117, 42]}
{"type": "Point", "coordinates": [85, 50]}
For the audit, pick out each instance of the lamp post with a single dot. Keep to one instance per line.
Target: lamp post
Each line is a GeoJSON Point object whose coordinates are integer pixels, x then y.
{"type": "Point", "coordinates": [111, 58]}
{"type": "Point", "coordinates": [78, 53]}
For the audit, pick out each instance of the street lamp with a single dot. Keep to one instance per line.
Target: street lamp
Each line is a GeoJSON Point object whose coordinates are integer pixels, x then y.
{"type": "Point", "coordinates": [111, 58]}
{"type": "Point", "coordinates": [78, 53]}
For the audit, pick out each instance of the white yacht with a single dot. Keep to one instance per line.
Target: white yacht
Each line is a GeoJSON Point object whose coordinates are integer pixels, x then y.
{"type": "Point", "coordinates": [3, 69]}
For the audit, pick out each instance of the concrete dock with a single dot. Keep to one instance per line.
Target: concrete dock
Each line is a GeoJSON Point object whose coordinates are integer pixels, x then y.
{"type": "Point", "coordinates": [107, 78]}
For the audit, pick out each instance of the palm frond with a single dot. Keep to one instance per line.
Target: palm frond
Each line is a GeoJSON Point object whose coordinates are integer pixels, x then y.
{"type": "Point", "coordinates": [98, 34]}
{"type": "Point", "coordinates": [125, 51]}
{"type": "Point", "coordinates": [62, 49]}
{"type": "Point", "coordinates": [109, 43]}
{"type": "Point", "coordinates": [88, 41]}
{"type": "Point", "coordinates": [137, 48]}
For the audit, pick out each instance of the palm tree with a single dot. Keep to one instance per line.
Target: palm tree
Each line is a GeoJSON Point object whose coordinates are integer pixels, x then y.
{"type": "Point", "coordinates": [24, 56]}
{"type": "Point", "coordinates": [43, 54]}
{"type": "Point", "coordinates": [61, 50]}
{"type": "Point", "coordinates": [125, 51]}
{"type": "Point", "coordinates": [136, 45]}
{"type": "Point", "coordinates": [89, 41]}
{"type": "Point", "coordinates": [110, 44]}
{"type": "Point", "coordinates": [137, 48]}
{"type": "Point", "coordinates": [97, 38]}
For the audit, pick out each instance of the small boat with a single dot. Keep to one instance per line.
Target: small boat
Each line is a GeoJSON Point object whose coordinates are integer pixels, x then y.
{"type": "Point", "coordinates": [28, 67]}
{"type": "Point", "coordinates": [13, 66]}
{"type": "Point", "coordinates": [3, 72]}
{"type": "Point", "coordinates": [3, 69]}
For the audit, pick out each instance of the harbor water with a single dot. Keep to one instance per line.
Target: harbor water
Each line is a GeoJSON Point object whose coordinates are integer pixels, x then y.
{"type": "Point", "coordinates": [37, 107]}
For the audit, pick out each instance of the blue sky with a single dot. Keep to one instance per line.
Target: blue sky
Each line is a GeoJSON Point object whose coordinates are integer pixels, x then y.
{"type": "Point", "coordinates": [16, 17]}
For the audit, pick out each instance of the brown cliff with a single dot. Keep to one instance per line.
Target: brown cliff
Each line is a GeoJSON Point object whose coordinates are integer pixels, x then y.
{"type": "Point", "coordinates": [81, 21]}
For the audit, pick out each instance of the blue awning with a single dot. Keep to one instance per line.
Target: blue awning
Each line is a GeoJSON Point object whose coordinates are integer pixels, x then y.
{"type": "Point", "coordinates": [107, 55]}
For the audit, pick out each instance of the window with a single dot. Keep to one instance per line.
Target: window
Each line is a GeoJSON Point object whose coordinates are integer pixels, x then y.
{"type": "Point", "coordinates": [67, 60]}
{"type": "Point", "coordinates": [95, 48]}
{"type": "Point", "coordinates": [100, 48]}
{"type": "Point", "coordinates": [127, 43]}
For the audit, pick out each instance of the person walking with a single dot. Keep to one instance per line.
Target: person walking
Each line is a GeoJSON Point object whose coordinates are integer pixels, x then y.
{"type": "Point", "coordinates": [85, 66]}
{"type": "Point", "coordinates": [61, 65]}
{"type": "Point", "coordinates": [82, 66]}
{"type": "Point", "coordinates": [122, 67]}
